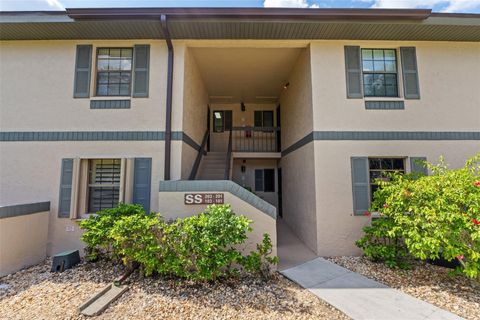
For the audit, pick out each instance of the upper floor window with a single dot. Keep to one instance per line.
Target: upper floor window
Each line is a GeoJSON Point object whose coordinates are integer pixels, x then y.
{"type": "Point", "coordinates": [263, 119]}
{"type": "Point", "coordinates": [379, 67]}
{"type": "Point", "coordinates": [114, 71]}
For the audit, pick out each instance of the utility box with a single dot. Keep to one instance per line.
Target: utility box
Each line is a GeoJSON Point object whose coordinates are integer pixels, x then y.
{"type": "Point", "coordinates": [65, 260]}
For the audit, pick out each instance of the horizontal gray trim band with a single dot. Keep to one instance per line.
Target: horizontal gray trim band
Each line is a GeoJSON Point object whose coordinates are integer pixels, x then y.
{"type": "Point", "coordinates": [382, 135]}
{"type": "Point", "coordinates": [82, 136]}
{"type": "Point", "coordinates": [109, 104]}
{"type": "Point", "coordinates": [219, 186]}
{"type": "Point", "coordinates": [384, 105]}
{"type": "Point", "coordinates": [23, 209]}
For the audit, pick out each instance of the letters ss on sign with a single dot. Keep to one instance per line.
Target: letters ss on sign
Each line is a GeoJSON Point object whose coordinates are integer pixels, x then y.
{"type": "Point", "coordinates": [203, 198]}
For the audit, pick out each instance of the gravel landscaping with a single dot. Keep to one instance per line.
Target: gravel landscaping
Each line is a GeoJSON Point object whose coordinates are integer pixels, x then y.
{"type": "Point", "coordinates": [432, 284]}
{"type": "Point", "coordinates": [36, 293]}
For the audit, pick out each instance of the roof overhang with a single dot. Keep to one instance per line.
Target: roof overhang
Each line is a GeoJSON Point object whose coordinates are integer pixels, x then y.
{"type": "Point", "coordinates": [240, 23]}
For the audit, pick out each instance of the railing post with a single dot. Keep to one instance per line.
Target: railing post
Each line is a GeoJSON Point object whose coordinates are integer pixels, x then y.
{"type": "Point", "coordinates": [229, 156]}
{"type": "Point", "coordinates": [196, 164]}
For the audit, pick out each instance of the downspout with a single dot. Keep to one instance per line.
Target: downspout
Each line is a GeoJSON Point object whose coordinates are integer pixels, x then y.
{"type": "Point", "coordinates": [168, 118]}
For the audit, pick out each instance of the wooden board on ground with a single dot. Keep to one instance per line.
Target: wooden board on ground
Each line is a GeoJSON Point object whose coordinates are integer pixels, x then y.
{"type": "Point", "coordinates": [100, 301]}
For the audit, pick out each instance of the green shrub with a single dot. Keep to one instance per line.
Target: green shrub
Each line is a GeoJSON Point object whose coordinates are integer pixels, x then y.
{"type": "Point", "coordinates": [97, 228]}
{"type": "Point", "coordinates": [200, 248]}
{"type": "Point", "coordinates": [381, 244]}
{"type": "Point", "coordinates": [434, 216]}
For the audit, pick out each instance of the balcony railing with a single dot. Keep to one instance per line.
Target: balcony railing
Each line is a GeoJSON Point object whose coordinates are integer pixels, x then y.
{"type": "Point", "coordinates": [255, 139]}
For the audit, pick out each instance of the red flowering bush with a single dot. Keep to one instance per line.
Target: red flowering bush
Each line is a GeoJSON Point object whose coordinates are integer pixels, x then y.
{"type": "Point", "coordinates": [431, 217]}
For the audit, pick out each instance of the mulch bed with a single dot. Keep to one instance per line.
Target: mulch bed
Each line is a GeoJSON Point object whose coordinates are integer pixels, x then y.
{"type": "Point", "coordinates": [424, 281]}
{"type": "Point", "coordinates": [36, 293]}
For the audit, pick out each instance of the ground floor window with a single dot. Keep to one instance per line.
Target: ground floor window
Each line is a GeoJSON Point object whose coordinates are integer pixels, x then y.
{"type": "Point", "coordinates": [378, 167]}
{"type": "Point", "coordinates": [103, 184]}
{"type": "Point", "coordinates": [265, 180]}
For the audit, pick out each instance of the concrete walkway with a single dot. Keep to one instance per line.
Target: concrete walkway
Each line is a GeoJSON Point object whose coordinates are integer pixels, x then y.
{"type": "Point", "coordinates": [359, 297]}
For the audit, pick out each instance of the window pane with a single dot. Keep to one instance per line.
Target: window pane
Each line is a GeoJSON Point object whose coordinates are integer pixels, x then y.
{"type": "Point", "coordinates": [374, 163]}
{"type": "Point", "coordinates": [114, 65]}
{"type": "Point", "coordinates": [390, 66]}
{"type": "Point", "coordinates": [367, 65]}
{"type": "Point", "coordinates": [398, 164]}
{"type": "Point", "coordinates": [125, 77]}
{"type": "Point", "coordinates": [367, 54]}
{"type": "Point", "coordinates": [378, 66]}
{"type": "Point", "coordinates": [269, 180]}
{"type": "Point", "coordinates": [391, 79]}
{"type": "Point", "coordinates": [126, 64]}
{"type": "Point", "coordinates": [115, 53]}
{"type": "Point", "coordinates": [102, 64]}
{"type": "Point", "coordinates": [268, 118]}
{"type": "Point", "coordinates": [368, 78]}
{"type": "Point", "coordinates": [114, 77]}
{"type": "Point", "coordinates": [103, 53]}
{"type": "Point", "coordinates": [391, 91]}
{"type": "Point", "coordinates": [374, 175]}
{"type": "Point", "coordinates": [124, 89]}
{"type": "Point", "coordinates": [387, 164]}
{"type": "Point", "coordinates": [258, 180]}
{"type": "Point", "coordinates": [113, 89]}
{"type": "Point", "coordinates": [368, 90]}
{"type": "Point", "coordinates": [127, 53]}
{"type": "Point", "coordinates": [102, 90]}
{"type": "Point", "coordinates": [377, 54]}
{"type": "Point", "coordinates": [102, 77]}
{"type": "Point", "coordinates": [389, 55]}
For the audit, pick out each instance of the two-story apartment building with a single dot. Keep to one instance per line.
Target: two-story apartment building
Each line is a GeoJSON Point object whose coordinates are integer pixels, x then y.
{"type": "Point", "coordinates": [301, 109]}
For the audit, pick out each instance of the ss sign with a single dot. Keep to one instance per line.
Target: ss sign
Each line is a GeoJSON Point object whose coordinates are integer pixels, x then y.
{"type": "Point", "coordinates": [203, 198]}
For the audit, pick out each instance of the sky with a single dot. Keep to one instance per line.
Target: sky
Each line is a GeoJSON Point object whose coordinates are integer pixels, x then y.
{"type": "Point", "coordinates": [459, 6]}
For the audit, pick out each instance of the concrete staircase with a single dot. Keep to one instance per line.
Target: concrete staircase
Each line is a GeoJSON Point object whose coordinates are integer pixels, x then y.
{"type": "Point", "coordinates": [212, 166]}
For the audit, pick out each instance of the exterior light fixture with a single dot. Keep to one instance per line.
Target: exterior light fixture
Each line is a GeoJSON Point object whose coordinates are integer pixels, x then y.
{"type": "Point", "coordinates": [285, 86]}
{"type": "Point", "coordinates": [242, 105]}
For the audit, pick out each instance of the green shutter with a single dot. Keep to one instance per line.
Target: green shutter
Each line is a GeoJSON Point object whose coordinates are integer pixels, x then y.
{"type": "Point", "coordinates": [142, 182]}
{"type": "Point", "coordinates": [360, 185]}
{"type": "Point", "coordinates": [411, 87]}
{"type": "Point", "coordinates": [353, 71]}
{"type": "Point", "coordinates": [83, 66]}
{"type": "Point", "coordinates": [141, 65]}
{"type": "Point", "coordinates": [65, 196]}
{"type": "Point", "coordinates": [416, 165]}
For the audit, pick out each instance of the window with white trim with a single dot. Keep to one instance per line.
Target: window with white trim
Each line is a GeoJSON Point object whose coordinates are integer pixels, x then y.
{"type": "Point", "coordinates": [379, 67]}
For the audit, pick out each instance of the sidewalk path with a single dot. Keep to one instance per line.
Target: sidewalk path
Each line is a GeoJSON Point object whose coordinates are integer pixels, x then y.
{"type": "Point", "coordinates": [359, 297]}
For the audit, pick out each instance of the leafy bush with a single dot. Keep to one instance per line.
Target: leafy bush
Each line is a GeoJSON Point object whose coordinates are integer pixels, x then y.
{"type": "Point", "coordinates": [380, 244]}
{"type": "Point", "coordinates": [98, 227]}
{"type": "Point", "coordinates": [432, 216]}
{"type": "Point", "coordinates": [201, 247]}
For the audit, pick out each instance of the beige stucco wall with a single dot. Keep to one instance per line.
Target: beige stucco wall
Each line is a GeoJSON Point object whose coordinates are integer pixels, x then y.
{"type": "Point", "coordinates": [171, 205]}
{"type": "Point", "coordinates": [30, 172]}
{"type": "Point", "coordinates": [298, 171]}
{"type": "Point", "coordinates": [247, 178]}
{"type": "Point", "coordinates": [296, 102]}
{"type": "Point", "coordinates": [449, 74]}
{"type": "Point", "coordinates": [36, 91]}
{"type": "Point", "coordinates": [338, 228]}
{"type": "Point", "coordinates": [195, 108]}
{"type": "Point", "coordinates": [23, 241]}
